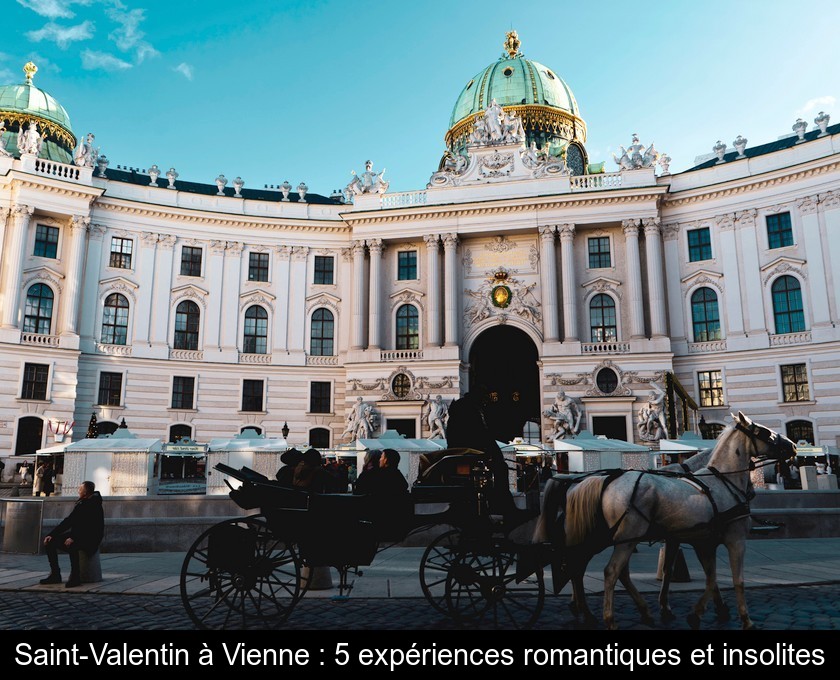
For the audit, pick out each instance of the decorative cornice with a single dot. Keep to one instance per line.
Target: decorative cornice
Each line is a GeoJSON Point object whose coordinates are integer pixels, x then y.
{"type": "Point", "coordinates": [725, 222]}
{"type": "Point", "coordinates": [432, 241]}
{"type": "Point", "coordinates": [566, 231]}
{"type": "Point", "coordinates": [651, 225]}
{"type": "Point", "coordinates": [808, 205]}
{"type": "Point", "coordinates": [61, 188]}
{"type": "Point", "coordinates": [166, 241]}
{"type": "Point", "coordinates": [43, 274]}
{"type": "Point", "coordinates": [323, 300]}
{"type": "Point", "coordinates": [234, 248]}
{"type": "Point", "coordinates": [746, 218]}
{"type": "Point", "coordinates": [547, 232]}
{"type": "Point", "coordinates": [830, 199]}
{"type": "Point", "coordinates": [602, 284]}
{"type": "Point", "coordinates": [785, 267]}
{"type": "Point", "coordinates": [750, 184]}
{"type": "Point", "coordinates": [407, 296]}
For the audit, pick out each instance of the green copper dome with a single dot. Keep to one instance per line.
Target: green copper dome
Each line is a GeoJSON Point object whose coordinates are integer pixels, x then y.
{"type": "Point", "coordinates": [24, 102]}
{"type": "Point", "coordinates": [523, 87]}
{"type": "Point", "coordinates": [513, 81]}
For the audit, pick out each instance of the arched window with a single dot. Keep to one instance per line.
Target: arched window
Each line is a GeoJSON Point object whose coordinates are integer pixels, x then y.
{"type": "Point", "coordinates": [179, 432]}
{"type": "Point", "coordinates": [254, 429]}
{"type": "Point", "coordinates": [408, 328]}
{"type": "Point", "coordinates": [800, 430]}
{"type": "Point", "coordinates": [787, 305]}
{"type": "Point", "coordinates": [187, 318]}
{"type": "Point", "coordinates": [30, 436]}
{"type": "Point", "coordinates": [319, 438]}
{"type": "Point", "coordinates": [106, 427]}
{"type": "Point", "coordinates": [602, 319]}
{"type": "Point", "coordinates": [256, 331]}
{"type": "Point", "coordinates": [323, 330]}
{"type": "Point", "coordinates": [39, 309]}
{"type": "Point", "coordinates": [705, 315]}
{"type": "Point", "coordinates": [115, 320]}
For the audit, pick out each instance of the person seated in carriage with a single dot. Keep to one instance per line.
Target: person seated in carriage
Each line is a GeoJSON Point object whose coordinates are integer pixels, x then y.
{"type": "Point", "coordinates": [311, 475]}
{"type": "Point", "coordinates": [386, 479]}
{"type": "Point", "coordinates": [286, 474]}
{"type": "Point", "coordinates": [390, 503]}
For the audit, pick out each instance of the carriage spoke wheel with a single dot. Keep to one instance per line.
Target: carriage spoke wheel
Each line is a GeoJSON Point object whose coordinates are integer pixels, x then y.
{"type": "Point", "coordinates": [435, 564]}
{"type": "Point", "coordinates": [481, 590]}
{"type": "Point", "coordinates": [239, 575]}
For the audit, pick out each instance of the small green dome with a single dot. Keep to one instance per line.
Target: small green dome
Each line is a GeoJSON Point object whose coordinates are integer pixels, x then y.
{"type": "Point", "coordinates": [515, 81]}
{"type": "Point", "coordinates": [24, 102]}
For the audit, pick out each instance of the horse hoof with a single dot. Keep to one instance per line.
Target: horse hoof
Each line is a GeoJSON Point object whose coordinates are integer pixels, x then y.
{"type": "Point", "coordinates": [667, 615]}
{"type": "Point", "coordinates": [693, 621]}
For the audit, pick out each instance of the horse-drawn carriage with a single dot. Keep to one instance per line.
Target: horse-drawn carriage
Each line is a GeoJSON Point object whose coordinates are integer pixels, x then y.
{"type": "Point", "coordinates": [250, 572]}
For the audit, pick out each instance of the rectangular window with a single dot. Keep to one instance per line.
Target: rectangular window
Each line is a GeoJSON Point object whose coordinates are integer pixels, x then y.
{"type": "Point", "coordinates": [258, 267]}
{"type": "Point", "coordinates": [183, 392]}
{"type": "Point", "coordinates": [35, 378]}
{"type": "Point", "coordinates": [121, 252]}
{"type": "Point", "coordinates": [324, 270]}
{"type": "Point", "coordinates": [319, 397]}
{"type": "Point", "coordinates": [252, 395]}
{"type": "Point", "coordinates": [110, 389]}
{"type": "Point", "coordinates": [599, 252]}
{"type": "Point", "coordinates": [190, 261]}
{"type": "Point", "coordinates": [407, 265]}
{"type": "Point", "coordinates": [46, 241]}
{"type": "Point", "coordinates": [795, 383]}
{"type": "Point", "coordinates": [779, 230]}
{"type": "Point", "coordinates": [711, 388]}
{"type": "Point", "coordinates": [699, 245]}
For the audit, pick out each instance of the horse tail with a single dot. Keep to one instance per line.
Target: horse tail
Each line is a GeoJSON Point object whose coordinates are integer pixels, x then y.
{"type": "Point", "coordinates": [583, 507]}
{"type": "Point", "coordinates": [554, 498]}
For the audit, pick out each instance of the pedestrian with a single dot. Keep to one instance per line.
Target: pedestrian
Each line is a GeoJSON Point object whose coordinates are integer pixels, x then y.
{"type": "Point", "coordinates": [81, 530]}
{"type": "Point", "coordinates": [38, 482]}
{"type": "Point", "coordinates": [48, 480]}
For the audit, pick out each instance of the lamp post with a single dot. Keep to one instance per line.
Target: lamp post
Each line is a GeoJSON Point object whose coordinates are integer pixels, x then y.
{"type": "Point", "coordinates": [285, 430]}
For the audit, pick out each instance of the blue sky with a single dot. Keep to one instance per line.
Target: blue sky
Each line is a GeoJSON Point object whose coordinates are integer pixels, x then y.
{"type": "Point", "coordinates": [308, 91]}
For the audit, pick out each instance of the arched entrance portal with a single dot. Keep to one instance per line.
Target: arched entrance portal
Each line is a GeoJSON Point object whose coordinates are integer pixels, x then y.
{"type": "Point", "coordinates": [504, 359]}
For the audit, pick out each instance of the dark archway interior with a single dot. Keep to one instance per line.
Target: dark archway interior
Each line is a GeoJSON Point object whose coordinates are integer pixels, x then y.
{"type": "Point", "coordinates": [504, 360]}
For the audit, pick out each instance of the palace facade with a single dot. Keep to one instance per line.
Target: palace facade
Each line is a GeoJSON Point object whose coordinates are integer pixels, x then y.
{"type": "Point", "coordinates": [194, 310]}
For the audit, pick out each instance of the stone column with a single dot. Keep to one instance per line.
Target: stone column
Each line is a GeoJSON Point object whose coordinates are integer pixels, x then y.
{"type": "Point", "coordinates": [89, 301]}
{"type": "Point", "coordinates": [812, 242]}
{"type": "Point", "coordinates": [634, 278]}
{"type": "Point", "coordinates": [4, 217]}
{"type": "Point", "coordinates": [570, 297]}
{"type": "Point", "coordinates": [281, 286]}
{"type": "Point", "coordinates": [730, 307]}
{"type": "Point", "coordinates": [433, 261]}
{"type": "Point", "coordinates": [14, 264]}
{"type": "Point", "coordinates": [75, 260]}
{"type": "Point", "coordinates": [450, 248]}
{"type": "Point", "coordinates": [656, 281]}
{"type": "Point", "coordinates": [548, 282]}
{"type": "Point", "coordinates": [375, 249]}
{"type": "Point", "coordinates": [357, 340]}
{"type": "Point", "coordinates": [297, 299]}
{"type": "Point", "coordinates": [161, 302]}
{"type": "Point", "coordinates": [216, 314]}
{"type": "Point", "coordinates": [146, 263]}
{"type": "Point", "coordinates": [672, 267]}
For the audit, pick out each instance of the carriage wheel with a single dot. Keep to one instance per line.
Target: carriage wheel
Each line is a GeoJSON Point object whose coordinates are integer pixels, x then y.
{"type": "Point", "coordinates": [238, 574]}
{"type": "Point", "coordinates": [481, 589]}
{"type": "Point", "coordinates": [437, 560]}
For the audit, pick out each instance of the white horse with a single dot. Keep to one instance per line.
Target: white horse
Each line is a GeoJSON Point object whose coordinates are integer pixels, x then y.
{"type": "Point", "coordinates": [627, 507]}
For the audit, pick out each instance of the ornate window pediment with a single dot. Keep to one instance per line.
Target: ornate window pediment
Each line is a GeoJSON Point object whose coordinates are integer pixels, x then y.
{"type": "Point", "coordinates": [119, 284]}
{"type": "Point", "coordinates": [323, 300]}
{"type": "Point", "coordinates": [44, 274]}
{"type": "Point", "coordinates": [602, 284]}
{"type": "Point", "coordinates": [257, 297]}
{"type": "Point", "coordinates": [703, 277]}
{"type": "Point", "coordinates": [189, 291]}
{"type": "Point", "coordinates": [407, 296]}
{"type": "Point", "coordinates": [784, 265]}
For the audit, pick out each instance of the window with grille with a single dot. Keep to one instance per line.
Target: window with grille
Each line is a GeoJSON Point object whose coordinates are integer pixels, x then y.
{"type": "Point", "coordinates": [408, 327]}
{"type": "Point", "coordinates": [258, 266]}
{"type": "Point", "coordinates": [190, 261]}
{"type": "Point", "coordinates": [795, 383]}
{"type": "Point", "coordinates": [121, 250]}
{"type": "Point", "coordinates": [711, 388]}
{"type": "Point", "coordinates": [779, 230]}
{"type": "Point", "coordinates": [323, 329]}
{"type": "Point", "coordinates": [115, 320]}
{"type": "Point", "coordinates": [602, 319]}
{"type": "Point", "coordinates": [46, 241]}
{"type": "Point", "coordinates": [252, 395]}
{"type": "Point", "coordinates": [324, 270]}
{"type": "Point", "coordinates": [319, 397]}
{"type": "Point", "coordinates": [788, 312]}
{"type": "Point", "coordinates": [255, 340]}
{"type": "Point", "coordinates": [407, 265]}
{"type": "Point", "coordinates": [110, 389]}
{"type": "Point", "coordinates": [183, 392]}
{"type": "Point", "coordinates": [187, 318]}
{"type": "Point", "coordinates": [699, 245]}
{"type": "Point", "coordinates": [35, 377]}
{"type": "Point", "coordinates": [37, 316]}
{"type": "Point", "coordinates": [599, 252]}
{"type": "Point", "coordinates": [705, 315]}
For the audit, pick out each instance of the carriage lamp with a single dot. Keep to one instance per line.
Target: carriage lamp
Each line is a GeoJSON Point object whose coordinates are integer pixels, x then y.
{"type": "Point", "coordinates": [285, 430]}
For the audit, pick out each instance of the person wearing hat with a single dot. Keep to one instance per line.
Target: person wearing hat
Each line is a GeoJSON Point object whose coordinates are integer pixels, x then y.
{"type": "Point", "coordinates": [286, 474]}
{"type": "Point", "coordinates": [310, 473]}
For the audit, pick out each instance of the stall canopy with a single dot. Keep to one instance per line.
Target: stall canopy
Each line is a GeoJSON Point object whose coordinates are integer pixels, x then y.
{"type": "Point", "coordinates": [122, 441]}
{"type": "Point", "coordinates": [686, 446]}
{"type": "Point", "coordinates": [248, 440]}
{"type": "Point", "coordinates": [587, 452]}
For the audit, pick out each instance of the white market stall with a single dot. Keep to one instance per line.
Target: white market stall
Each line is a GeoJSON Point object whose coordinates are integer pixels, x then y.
{"type": "Point", "coordinates": [586, 452]}
{"type": "Point", "coordinates": [248, 449]}
{"type": "Point", "coordinates": [120, 464]}
{"type": "Point", "coordinates": [677, 450]}
{"type": "Point", "coordinates": [818, 466]}
{"type": "Point", "coordinates": [180, 469]}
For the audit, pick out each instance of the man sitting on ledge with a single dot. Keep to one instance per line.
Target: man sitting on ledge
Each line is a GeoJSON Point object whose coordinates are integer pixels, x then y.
{"type": "Point", "coordinates": [82, 529]}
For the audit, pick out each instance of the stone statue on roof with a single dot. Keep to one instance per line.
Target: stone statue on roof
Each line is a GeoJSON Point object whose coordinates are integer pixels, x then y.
{"type": "Point", "coordinates": [30, 141]}
{"type": "Point", "coordinates": [86, 154]}
{"type": "Point", "coordinates": [3, 152]}
{"type": "Point", "coordinates": [369, 182]}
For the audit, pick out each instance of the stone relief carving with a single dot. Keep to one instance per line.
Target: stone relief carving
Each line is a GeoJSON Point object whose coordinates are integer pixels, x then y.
{"type": "Point", "coordinates": [670, 231]}
{"type": "Point", "coordinates": [807, 205]}
{"type": "Point", "coordinates": [830, 199]}
{"type": "Point", "coordinates": [425, 383]}
{"type": "Point", "coordinates": [258, 299]}
{"type": "Point", "coordinates": [784, 268]}
{"type": "Point", "coordinates": [514, 297]}
{"type": "Point", "coordinates": [467, 261]}
{"type": "Point", "coordinates": [369, 182]}
{"type": "Point", "coordinates": [533, 256]}
{"type": "Point", "coordinates": [636, 156]}
{"type": "Point", "coordinates": [542, 163]}
{"type": "Point", "coordinates": [500, 244]}
{"type": "Point", "coordinates": [496, 165]}
{"type": "Point", "coordinates": [453, 167]}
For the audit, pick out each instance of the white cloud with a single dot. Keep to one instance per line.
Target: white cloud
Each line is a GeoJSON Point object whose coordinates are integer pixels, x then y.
{"type": "Point", "coordinates": [62, 35]}
{"type": "Point", "coordinates": [7, 76]}
{"type": "Point", "coordinates": [100, 60]}
{"type": "Point", "coordinates": [815, 105]}
{"type": "Point", "coordinates": [185, 70]}
{"type": "Point", "coordinates": [54, 9]}
{"type": "Point", "coordinates": [128, 35]}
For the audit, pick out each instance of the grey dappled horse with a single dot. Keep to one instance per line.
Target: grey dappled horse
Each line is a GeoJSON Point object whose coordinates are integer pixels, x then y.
{"type": "Point", "coordinates": [626, 507]}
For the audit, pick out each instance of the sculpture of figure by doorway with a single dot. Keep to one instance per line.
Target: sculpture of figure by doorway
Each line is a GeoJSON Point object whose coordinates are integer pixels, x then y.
{"type": "Point", "coordinates": [565, 412]}
{"type": "Point", "coordinates": [651, 423]}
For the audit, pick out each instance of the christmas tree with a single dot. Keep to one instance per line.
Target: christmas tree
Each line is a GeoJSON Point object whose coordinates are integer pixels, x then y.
{"type": "Point", "coordinates": [93, 428]}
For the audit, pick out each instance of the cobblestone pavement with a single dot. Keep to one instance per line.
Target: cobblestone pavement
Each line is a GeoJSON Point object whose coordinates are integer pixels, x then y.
{"type": "Point", "coordinates": [812, 607]}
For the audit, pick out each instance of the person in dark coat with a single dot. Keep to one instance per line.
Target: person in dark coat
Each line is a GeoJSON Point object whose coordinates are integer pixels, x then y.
{"type": "Point", "coordinates": [82, 529]}
{"type": "Point", "coordinates": [311, 475]}
{"type": "Point", "coordinates": [286, 474]}
{"type": "Point", "coordinates": [467, 428]}
{"type": "Point", "coordinates": [390, 501]}
{"type": "Point", "coordinates": [48, 481]}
